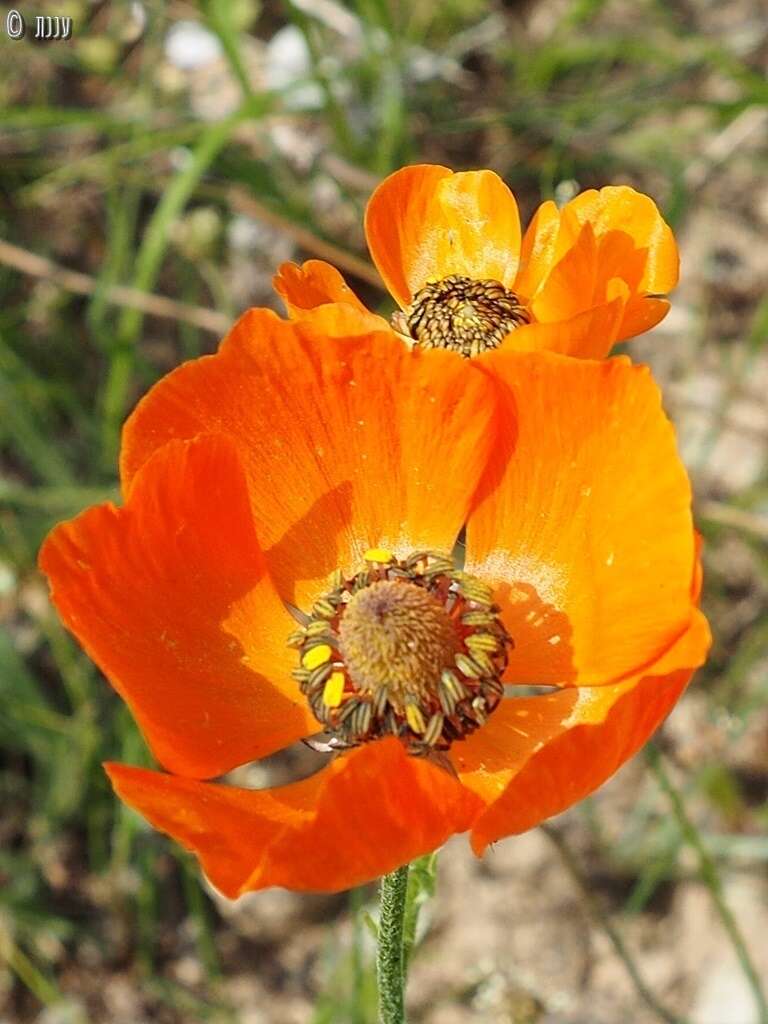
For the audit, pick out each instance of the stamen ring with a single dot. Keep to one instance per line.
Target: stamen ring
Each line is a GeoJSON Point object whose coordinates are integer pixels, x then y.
{"type": "Point", "coordinates": [410, 647]}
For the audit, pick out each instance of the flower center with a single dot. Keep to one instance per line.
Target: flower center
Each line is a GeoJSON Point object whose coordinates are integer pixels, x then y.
{"type": "Point", "coordinates": [458, 313]}
{"type": "Point", "coordinates": [396, 634]}
{"type": "Point", "coordinates": [411, 648]}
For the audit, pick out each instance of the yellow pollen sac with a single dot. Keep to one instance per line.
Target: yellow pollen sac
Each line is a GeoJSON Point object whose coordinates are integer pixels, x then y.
{"type": "Point", "coordinates": [415, 718]}
{"type": "Point", "coordinates": [316, 656]}
{"type": "Point", "coordinates": [397, 635]}
{"type": "Point", "coordinates": [334, 689]}
{"type": "Point", "coordinates": [380, 555]}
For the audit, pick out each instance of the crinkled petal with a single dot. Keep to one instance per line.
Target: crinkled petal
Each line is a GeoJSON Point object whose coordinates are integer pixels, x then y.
{"type": "Point", "coordinates": [312, 284]}
{"type": "Point", "coordinates": [599, 246]}
{"type": "Point", "coordinates": [340, 320]}
{"type": "Point", "coordinates": [426, 222]}
{"type": "Point", "coordinates": [362, 816]}
{"type": "Point", "coordinates": [171, 597]}
{"type": "Point", "coordinates": [583, 521]}
{"type": "Point", "coordinates": [317, 292]}
{"type": "Point", "coordinates": [348, 443]}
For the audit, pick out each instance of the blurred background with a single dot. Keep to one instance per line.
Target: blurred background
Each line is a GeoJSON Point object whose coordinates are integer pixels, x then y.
{"type": "Point", "coordinates": [154, 169]}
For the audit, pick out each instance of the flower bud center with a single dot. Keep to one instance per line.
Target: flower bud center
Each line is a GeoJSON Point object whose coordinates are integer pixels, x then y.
{"type": "Point", "coordinates": [462, 314]}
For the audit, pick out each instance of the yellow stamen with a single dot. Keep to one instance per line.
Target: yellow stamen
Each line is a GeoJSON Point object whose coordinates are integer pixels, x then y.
{"type": "Point", "coordinates": [482, 642]}
{"type": "Point", "coordinates": [378, 555]}
{"type": "Point", "coordinates": [334, 689]}
{"type": "Point", "coordinates": [316, 656]}
{"type": "Point", "coordinates": [415, 718]}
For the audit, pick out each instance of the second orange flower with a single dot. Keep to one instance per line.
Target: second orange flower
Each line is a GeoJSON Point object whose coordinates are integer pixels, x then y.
{"type": "Point", "coordinates": [449, 248]}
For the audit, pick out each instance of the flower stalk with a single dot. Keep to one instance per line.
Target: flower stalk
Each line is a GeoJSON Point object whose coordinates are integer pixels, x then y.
{"type": "Point", "coordinates": [390, 961]}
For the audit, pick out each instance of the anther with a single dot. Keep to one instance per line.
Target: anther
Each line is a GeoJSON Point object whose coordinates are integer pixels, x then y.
{"type": "Point", "coordinates": [316, 656]}
{"type": "Point", "coordinates": [333, 689]}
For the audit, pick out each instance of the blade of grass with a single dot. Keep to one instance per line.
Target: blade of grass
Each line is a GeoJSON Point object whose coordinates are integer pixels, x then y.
{"type": "Point", "coordinates": [96, 167]}
{"type": "Point", "coordinates": [59, 117]}
{"type": "Point", "coordinates": [200, 913]}
{"type": "Point", "coordinates": [146, 269]}
{"type": "Point", "coordinates": [392, 113]}
{"type": "Point", "coordinates": [710, 877]}
{"type": "Point", "coordinates": [56, 500]}
{"type": "Point", "coordinates": [38, 984]}
{"type": "Point", "coordinates": [604, 922]}
{"type": "Point", "coordinates": [422, 881]}
{"type": "Point", "coordinates": [221, 21]}
{"type": "Point", "coordinates": [122, 207]}
{"type": "Point", "coordinates": [334, 112]}
{"type": "Point", "coordinates": [26, 422]}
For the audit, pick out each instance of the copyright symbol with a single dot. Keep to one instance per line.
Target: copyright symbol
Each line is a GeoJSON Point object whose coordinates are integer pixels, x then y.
{"type": "Point", "coordinates": [14, 25]}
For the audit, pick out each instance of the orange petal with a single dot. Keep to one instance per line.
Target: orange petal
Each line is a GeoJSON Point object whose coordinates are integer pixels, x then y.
{"type": "Point", "coordinates": [590, 335]}
{"type": "Point", "coordinates": [339, 320]}
{"type": "Point", "coordinates": [572, 285]}
{"type": "Point", "coordinates": [314, 283]}
{"type": "Point", "coordinates": [489, 760]}
{"type": "Point", "coordinates": [546, 753]}
{"type": "Point", "coordinates": [171, 598]}
{"type": "Point", "coordinates": [425, 222]}
{"type": "Point", "coordinates": [584, 520]}
{"type": "Point", "coordinates": [537, 253]}
{"type": "Point", "coordinates": [600, 245]}
{"type": "Point", "coordinates": [698, 574]}
{"type": "Point", "coordinates": [364, 815]}
{"type": "Point", "coordinates": [618, 259]}
{"type": "Point", "coordinates": [581, 755]}
{"type": "Point", "coordinates": [641, 314]}
{"type": "Point", "coordinates": [317, 293]}
{"type": "Point", "coordinates": [347, 443]}
{"type": "Point", "coordinates": [620, 208]}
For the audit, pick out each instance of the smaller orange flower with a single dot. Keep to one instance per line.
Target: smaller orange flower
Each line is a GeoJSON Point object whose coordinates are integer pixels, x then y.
{"type": "Point", "coordinates": [450, 251]}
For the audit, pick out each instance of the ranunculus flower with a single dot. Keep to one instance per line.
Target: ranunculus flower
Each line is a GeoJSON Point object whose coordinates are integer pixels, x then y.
{"type": "Point", "coordinates": [294, 471]}
{"type": "Point", "coordinates": [449, 249]}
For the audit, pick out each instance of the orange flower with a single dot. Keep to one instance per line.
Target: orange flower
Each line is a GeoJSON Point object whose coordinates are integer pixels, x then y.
{"type": "Point", "coordinates": [449, 249]}
{"type": "Point", "coordinates": [334, 477]}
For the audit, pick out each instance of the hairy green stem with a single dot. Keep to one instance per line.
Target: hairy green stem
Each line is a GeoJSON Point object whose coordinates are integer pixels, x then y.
{"type": "Point", "coordinates": [390, 962]}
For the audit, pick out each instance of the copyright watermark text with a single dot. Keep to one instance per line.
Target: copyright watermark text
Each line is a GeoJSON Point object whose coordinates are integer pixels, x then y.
{"type": "Point", "coordinates": [45, 26]}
